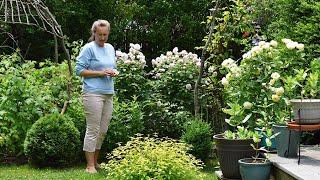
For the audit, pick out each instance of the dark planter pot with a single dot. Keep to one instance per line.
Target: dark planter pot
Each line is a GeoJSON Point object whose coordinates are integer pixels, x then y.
{"type": "Point", "coordinates": [263, 140]}
{"type": "Point", "coordinates": [284, 149]}
{"type": "Point", "coordinates": [250, 170]}
{"type": "Point", "coordinates": [229, 151]}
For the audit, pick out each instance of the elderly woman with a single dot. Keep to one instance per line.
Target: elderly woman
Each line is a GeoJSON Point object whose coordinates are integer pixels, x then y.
{"type": "Point", "coordinates": [96, 64]}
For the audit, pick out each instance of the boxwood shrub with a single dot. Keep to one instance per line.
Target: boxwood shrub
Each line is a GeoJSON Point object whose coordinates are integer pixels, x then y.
{"type": "Point", "coordinates": [52, 141]}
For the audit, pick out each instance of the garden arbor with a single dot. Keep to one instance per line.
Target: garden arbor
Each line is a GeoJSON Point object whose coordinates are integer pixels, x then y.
{"type": "Point", "coordinates": [35, 13]}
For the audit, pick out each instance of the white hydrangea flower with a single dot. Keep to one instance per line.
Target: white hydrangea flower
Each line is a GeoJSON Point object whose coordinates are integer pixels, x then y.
{"type": "Point", "coordinates": [211, 69]}
{"type": "Point", "coordinates": [171, 65]}
{"type": "Point", "coordinates": [132, 51]}
{"type": "Point", "coordinates": [286, 41]}
{"type": "Point", "coordinates": [229, 76]}
{"type": "Point", "coordinates": [261, 43]}
{"type": "Point", "coordinates": [175, 50]}
{"type": "Point", "coordinates": [142, 57]}
{"type": "Point", "coordinates": [188, 87]}
{"type": "Point", "coordinates": [235, 69]}
{"type": "Point", "coordinates": [256, 49]}
{"type": "Point", "coordinates": [274, 43]}
{"type": "Point", "coordinates": [247, 55]}
{"type": "Point", "coordinates": [247, 105]}
{"type": "Point", "coordinates": [143, 62]}
{"type": "Point", "coordinates": [291, 45]}
{"type": "Point", "coordinates": [169, 53]}
{"type": "Point", "coordinates": [183, 53]}
{"type": "Point", "coordinates": [300, 46]}
{"type": "Point", "coordinates": [127, 62]}
{"type": "Point", "coordinates": [137, 47]}
{"type": "Point", "coordinates": [131, 56]}
{"type": "Point", "coordinates": [158, 75]}
{"type": "Point", "coordinates": [119, 54]}
{"type": "Point", "coordinates": [214, 74]}
{"type": "Point", "coordinates": [154, 62]}
{"type": "Point", "coordinates": [131, 45]}
{"type": "Point", "coordinates": [275, 98]}
{"type": "Point", "coordinates": [162, 70]}
{"type": "Point", "coordinates": [266, 45]}
{"type": "Point", "coordinates": [224, 81]}
{"type": "Point", "coordinates": [272, 81]}
{"type": "Point", "coordinates": [125, 56]}
{"type": "Point", "coordinates": [227, 62]}
{"type": "Point", "coordinates": [275, 76]}
{"type": "Point", "coordinates": [279, 91]}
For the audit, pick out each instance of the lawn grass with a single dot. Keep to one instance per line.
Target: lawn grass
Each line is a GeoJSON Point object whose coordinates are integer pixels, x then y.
{"type": "Point", "coordinates": [27, 172]}
{"type": "Point", "coordinates": [14, 172]}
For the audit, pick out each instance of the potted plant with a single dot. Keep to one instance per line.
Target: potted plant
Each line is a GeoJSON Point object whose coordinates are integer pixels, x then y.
{"type": "Point", "coordinates": [250, 101]}
{"type": "Point", "coordinates": [232, 146]}
{"type": "Point", "coordinates": [253, 88]}
{"type": "Point", "coordinates": [287, 141]}
{"type": "Point", "coordinates": [304, 90]}
{"type": "Point", "coordinates": [257, 167]}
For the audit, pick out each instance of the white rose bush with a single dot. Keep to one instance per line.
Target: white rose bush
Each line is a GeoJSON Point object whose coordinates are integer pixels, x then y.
{"type": "Point", "coordinates": [175, 74]}
{"type": "Point", "coordinates": [255, 89]}
{"type": "Point", "coordinates": [132, 76]}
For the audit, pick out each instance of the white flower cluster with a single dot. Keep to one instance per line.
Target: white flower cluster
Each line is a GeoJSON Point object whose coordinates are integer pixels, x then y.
{"type": "Point", "coordinates": [278, 92]}
{"type": "Point", "coordinates": [257, 49]}
{"type": "Point", "coordinates": [292, 44]}
{"type": "Point", "coordinates": [172, 58]}
{"type": "Point", "coordinates": [247, 105]}
{"type": "Point", "coordinates": [233, 68]}
{"type": "Point", "coordinates": [134, 56]}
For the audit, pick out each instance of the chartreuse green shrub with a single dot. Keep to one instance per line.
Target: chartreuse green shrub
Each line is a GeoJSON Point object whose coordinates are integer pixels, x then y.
{"type": "Point", "coordinates": [199, 135]}
{"type": "Point", "coordinates": [152, 158]}
{"type": "Point", "coordinates": [52, 141]}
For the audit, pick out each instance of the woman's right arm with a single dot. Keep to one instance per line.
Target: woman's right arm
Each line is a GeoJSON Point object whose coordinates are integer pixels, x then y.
{"type": "Point", "coordinates": [90, 73]}
{"type": "Point", "coordinates": [83, 62]}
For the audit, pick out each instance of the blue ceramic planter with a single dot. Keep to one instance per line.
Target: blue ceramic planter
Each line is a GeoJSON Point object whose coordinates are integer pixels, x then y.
{"type": "Point", "coordinates": [284, 149]}
{"type": "Point", "coordinates": [259, 170]}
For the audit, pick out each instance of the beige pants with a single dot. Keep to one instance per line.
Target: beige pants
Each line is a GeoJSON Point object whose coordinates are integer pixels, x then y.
{"type": "Point", "coordinates": [98, 110]}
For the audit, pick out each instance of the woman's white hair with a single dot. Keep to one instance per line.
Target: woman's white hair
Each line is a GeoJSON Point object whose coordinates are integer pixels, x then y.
{"type": "Point", "coordinates": [96, 24]}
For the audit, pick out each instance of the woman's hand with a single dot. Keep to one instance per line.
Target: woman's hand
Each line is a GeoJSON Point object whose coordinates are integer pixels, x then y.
{"type": "Point", "coordinates": [111, 72]}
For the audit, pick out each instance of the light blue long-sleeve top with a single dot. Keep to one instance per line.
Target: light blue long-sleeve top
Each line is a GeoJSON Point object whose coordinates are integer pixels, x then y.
{"type": "Point", "coordinates": [96, 58]}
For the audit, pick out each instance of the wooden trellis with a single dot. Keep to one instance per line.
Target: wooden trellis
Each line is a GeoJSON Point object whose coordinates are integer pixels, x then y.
{"type": "Point", "coordinates": [35, 13]}
{"type": "Point", "coordinates": [29, 12]}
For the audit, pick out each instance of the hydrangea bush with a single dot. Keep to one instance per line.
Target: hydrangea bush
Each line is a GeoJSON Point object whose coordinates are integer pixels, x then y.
{"type": "Point", "coordinates": [254, 89]}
